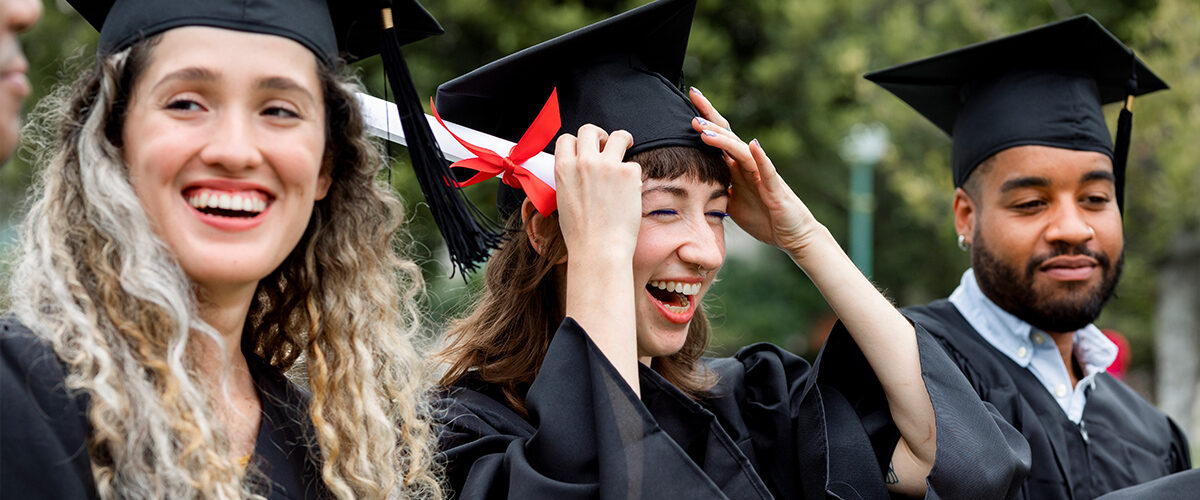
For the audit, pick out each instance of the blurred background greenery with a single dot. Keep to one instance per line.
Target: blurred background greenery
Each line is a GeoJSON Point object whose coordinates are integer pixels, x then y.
{"type": "Point", "coordinates": [789, 72]}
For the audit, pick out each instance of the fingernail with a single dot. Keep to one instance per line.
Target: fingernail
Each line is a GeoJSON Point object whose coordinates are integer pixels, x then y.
{"type": "Point", "coordinates": [696, 90]}
{"type": "Point", "coordinates": [755, 142]}
{"type": "Point", "coordinates": [702, 121]}
{"type": "Point", "coordinates": [709, 133]}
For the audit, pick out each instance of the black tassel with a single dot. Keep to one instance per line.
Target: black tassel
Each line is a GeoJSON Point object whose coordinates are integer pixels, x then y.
{"type": "Point", "coordinates": [1124, 130]}
{"type": "Point", "coordinates": [467, 238]}
{"type": "Point", "coordinates": [1121, 150]}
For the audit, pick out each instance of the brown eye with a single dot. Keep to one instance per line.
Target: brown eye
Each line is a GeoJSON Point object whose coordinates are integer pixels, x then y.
{"type": "Point", "coordinates": [184, 105]}
{"type": "Point", "coordinates": [279, 112]}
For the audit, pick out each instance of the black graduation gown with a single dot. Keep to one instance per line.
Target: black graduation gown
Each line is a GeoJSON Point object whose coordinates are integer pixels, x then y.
{"type": "Point", "coordinates": [1122, 440]}
{"type": "Point", "coordinates": [1184, 484]}
{"type": "Point", "coordinates": [770, 428]}
{"type": "Point", "coordinates": [44, 429]}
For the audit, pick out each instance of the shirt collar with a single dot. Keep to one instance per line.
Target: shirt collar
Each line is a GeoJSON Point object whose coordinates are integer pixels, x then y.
{"type": "Point", "coordinates": [1011, 335]}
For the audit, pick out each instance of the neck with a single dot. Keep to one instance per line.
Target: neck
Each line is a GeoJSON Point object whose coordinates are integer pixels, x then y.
{"type": "Point", "coordinates": [1066, 348]}
{"type": "Point", "coordinates": [225, 310]}
{"type": "Point", "coordinates": [234, 398]}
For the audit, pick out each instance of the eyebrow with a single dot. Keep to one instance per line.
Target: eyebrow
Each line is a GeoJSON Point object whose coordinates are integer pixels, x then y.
{"type": "Point", "coordinates": [671, 190]}
{"type": "Point", "coordinates": [1099, 175]}
{"type": "Point", "coordinates": [198, 74]}
{"type": "Point", "coordinates": [682, 193]}
{"type": "Point", "coordinates": [1024, 182]}
{"type": "Point", "coordinates": [283, 84]}
{"type": "Point", "coordinates": [189, 74]}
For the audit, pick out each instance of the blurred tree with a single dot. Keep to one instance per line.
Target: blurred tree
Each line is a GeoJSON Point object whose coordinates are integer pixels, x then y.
{"type": "Point", "coordinates": [1163, 229]}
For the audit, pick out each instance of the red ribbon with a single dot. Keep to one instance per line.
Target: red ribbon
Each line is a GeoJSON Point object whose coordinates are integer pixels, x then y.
{"type": "Point", "coordinates": [489, 164]}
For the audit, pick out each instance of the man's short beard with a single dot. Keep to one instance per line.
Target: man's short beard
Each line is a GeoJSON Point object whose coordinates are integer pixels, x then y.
{"type": "Point", "coordinates": [1013, 291]}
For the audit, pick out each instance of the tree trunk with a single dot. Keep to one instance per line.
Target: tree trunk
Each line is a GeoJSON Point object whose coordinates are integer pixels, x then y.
{"type": "Point", "coordinates": [1177, 347]}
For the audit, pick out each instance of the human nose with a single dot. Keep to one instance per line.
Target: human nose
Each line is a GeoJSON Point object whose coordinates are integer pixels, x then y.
{"type": "Point", "coordinates": [20, 15]}
{"type": "Point", "coordinates": [232, 144]}
{"type": "Point", "coordinates": [1069, 226]}
{"type": "Point", "coordinates": [705, 247]}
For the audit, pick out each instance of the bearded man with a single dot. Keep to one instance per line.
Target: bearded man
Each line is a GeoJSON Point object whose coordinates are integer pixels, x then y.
{"type": "Point", "coordinates": [1038, 204]}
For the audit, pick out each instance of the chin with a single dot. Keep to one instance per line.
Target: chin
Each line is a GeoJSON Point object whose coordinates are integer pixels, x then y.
{"type": "Point", "coordinates": [217, 273]}
{"type": "Point", "coordinates": [659, 343]}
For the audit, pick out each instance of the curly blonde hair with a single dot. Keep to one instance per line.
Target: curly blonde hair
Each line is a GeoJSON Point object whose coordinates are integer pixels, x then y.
{"type": "Point", "coordinates": [93, 279]}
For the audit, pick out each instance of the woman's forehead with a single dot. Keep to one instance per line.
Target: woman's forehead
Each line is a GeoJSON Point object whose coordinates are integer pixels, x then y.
{"type": "Point", "coordinates": [222, 51]}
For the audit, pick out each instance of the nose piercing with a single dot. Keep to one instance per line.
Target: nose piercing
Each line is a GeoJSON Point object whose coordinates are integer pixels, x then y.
{"type": "Point", "coordinates": [703, 272]}
{"type": "Point", "coordinates": [1091, 230]}
{"type": "Point", "coordinates": [962, 243]}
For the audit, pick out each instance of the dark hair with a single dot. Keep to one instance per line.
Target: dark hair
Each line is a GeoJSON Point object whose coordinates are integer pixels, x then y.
{"type": "Point", "coordinates": [505, 338]}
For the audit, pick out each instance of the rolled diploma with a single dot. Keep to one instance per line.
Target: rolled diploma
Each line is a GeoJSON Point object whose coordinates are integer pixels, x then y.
{"type": "Point", "coordinates": [383, 120]}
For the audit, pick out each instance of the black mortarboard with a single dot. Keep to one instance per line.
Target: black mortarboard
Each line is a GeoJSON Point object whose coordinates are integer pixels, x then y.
{"type": "Point", "coordinates": [1044, 86]}
{"type": "Point", "coordinates": [622, 73]}
{"type": "Point", "coordinates": [349, 30]}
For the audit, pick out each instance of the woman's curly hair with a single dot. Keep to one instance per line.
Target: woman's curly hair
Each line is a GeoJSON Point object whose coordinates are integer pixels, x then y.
{"type": "Point", "coordinates": [93, 279]}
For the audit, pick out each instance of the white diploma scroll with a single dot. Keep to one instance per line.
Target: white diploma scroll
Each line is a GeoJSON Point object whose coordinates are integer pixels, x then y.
{"type": "Point", "coordinates": [383, 120]}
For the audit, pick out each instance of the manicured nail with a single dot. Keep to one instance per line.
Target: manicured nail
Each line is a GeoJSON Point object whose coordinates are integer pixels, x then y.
{"type": "Point", "coordinates": [702, 121]}
{"type": "Point", "coordinates": [709, 133]}
{"type": "Point", "coordinates": [696, 90]}
{"type": "Point", "coordinates": [755, 142]}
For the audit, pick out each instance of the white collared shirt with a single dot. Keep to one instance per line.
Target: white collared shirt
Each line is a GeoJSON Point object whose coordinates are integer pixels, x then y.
{"type": "Point", "coordinates": [1035, 350]}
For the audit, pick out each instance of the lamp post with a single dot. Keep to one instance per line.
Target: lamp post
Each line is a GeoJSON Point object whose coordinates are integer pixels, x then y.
{"type": "Point", "coordinates": [862, 148]}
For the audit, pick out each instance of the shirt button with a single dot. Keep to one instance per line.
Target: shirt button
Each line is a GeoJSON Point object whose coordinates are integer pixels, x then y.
{"type": "Point", "coordinates": [1022, 352]}
{"type": "Point", "coordinates": [1060, 390]}
{"type": "Point", "coordinates": [1038, 338]}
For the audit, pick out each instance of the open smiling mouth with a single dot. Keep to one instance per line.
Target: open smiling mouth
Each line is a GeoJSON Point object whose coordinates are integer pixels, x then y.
{"type": "Point", "coordinates": [675, 300]}
{"type": "Point", "coordinates": [242, 204]}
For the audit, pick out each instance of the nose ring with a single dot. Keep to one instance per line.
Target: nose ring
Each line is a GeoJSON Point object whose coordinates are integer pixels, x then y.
{"type": "Point", "coordinates": [703, 272]}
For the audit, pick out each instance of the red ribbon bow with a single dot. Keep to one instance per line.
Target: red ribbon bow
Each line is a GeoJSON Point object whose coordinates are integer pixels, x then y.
{"type": "Point", "coordinates": [489, 164]}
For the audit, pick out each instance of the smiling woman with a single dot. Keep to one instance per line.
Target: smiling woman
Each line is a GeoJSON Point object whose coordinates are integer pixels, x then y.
{"type": "Point", "coordinates": [580, 373]}
{"type": "Point", "coordinates": [207, 218]}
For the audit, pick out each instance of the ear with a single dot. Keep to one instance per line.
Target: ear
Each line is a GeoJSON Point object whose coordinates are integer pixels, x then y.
{"type": "Point", "coordinates": [965, 214]}
{"type": "Point", "coordinates": [324, 179]}
{"type": "Point", "coordinates": [539, 229]}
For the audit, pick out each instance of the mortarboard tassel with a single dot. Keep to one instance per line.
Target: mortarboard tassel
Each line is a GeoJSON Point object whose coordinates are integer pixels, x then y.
{"type": "Point", "coordinates": [1124, 130]}
{"type": "Point", "coordinates": [467, 240]}
{"type": "Point", "coordinates": [1121, 149]}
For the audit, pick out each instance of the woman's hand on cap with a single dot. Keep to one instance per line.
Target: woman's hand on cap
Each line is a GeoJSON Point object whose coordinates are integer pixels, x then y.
{"type": "Point", "coordinates": [599, 194]}
{"type": "Point", "coordinates": [760, 201]}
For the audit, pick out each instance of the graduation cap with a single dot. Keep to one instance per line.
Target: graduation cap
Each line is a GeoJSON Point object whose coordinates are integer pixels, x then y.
{"type": "Point", "coordinates": [1044, 86]}
{"type": "Point", "coordinates": [622, 73]}
{"type": "Point", "coordinates": [345, 30]}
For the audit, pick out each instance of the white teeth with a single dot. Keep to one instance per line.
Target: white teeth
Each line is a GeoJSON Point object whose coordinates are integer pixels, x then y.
{"type": "Point", "coordinates": [677, 287]}
{"type": "Point", "coordinates": [225, 201]}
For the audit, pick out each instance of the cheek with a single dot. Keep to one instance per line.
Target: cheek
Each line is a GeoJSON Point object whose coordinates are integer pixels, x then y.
{"type": "Point", "coordinates": [302, 167]}
{"type": "Point", "coordinates": [1111, 235]}
{"type": "Point", "coordinates": [1007, 237]}
{"type": "Point", "coordinates": [650, 250]}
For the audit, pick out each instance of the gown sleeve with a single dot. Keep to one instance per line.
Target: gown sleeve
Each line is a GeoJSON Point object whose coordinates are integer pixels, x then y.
{"type": "Point", "coordinates": [804, 439]}
{"type": "Point", "coordinates": [979, 454]}
{"type": "Point", "coordinates": [1178, 485]}
{"type": "Point", "coordinates": [588, 435]}
{"type": "Point", "coordinates": [43, 429]}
